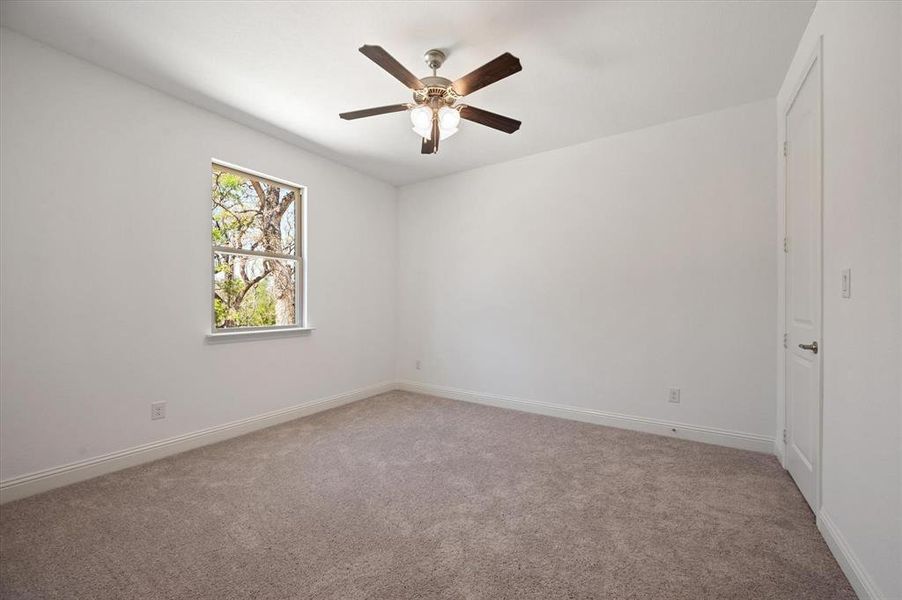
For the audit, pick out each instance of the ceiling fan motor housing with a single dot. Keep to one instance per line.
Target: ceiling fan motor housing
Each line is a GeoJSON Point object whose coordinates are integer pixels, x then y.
{"type": "Point", "coordinates": [438, 91]}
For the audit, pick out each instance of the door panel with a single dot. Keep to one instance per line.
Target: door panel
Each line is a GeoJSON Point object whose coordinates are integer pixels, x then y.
{"type": "Point", "coordinates": [803, 284]}
{"type": "Point", "coordinates": [803, 409]}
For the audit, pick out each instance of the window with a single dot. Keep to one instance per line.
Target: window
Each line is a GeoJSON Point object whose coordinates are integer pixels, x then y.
{"type": "Point", "coordinates": [258, 260]}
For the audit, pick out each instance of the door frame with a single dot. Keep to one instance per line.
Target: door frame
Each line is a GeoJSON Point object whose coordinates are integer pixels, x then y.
{"type": "Point", "coordinates": [815, 60]}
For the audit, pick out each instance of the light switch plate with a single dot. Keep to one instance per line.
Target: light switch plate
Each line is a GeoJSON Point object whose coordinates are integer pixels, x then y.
{"type": "Point", "coordinates": [847, 283]}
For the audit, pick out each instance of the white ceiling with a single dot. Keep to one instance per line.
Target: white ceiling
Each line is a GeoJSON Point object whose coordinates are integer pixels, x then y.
{"type": "Point", "coordinates": [590, 69]}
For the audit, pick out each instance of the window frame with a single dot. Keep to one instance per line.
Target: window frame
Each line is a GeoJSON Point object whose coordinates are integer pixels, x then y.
{"type": "Point", "coordinates": [300, 256]}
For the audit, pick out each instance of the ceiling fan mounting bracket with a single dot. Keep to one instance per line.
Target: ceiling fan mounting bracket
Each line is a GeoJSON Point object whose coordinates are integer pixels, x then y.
{"type": "Point", "coordinates": [434, 59]}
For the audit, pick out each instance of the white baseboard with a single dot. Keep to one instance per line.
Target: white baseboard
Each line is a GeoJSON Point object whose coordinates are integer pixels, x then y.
{"type": "Point", "coordinates": [778, 450]}
{"type": "Point", "coordinates": [709, 435]}
{"type": "Point", "coordinates": [855, 572]}
{"type": "Point", "coordinates": [48, 479]}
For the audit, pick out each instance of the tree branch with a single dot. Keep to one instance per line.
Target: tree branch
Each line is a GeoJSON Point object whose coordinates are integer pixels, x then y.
{"type": "Point", "coordinates": [250, 283]}
{"type": "Point", "coordinates": [285, 203]}
{"type": "Point", "coordinates": [261, 194]}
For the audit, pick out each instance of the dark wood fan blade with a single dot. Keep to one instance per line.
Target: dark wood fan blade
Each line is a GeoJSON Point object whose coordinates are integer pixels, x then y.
{"type": "Point", "coordinates": [489, 119]}
{"type": "Point", "coordinates": [378, 55]}
{"type": "Point", "coordinates": [371, 112]}
{"type": "Point", "coordinates": [505, 65]}
{"type": "Point", "coordinates": [427, 147]}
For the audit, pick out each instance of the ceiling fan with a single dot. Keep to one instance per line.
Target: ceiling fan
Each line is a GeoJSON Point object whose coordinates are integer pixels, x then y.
{"type": "Point", "coordinates": [435, 111]}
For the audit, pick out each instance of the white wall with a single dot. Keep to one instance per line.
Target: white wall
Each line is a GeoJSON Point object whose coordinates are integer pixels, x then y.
{"type": "Point", "coordinates": [597, 275]}
{"type": "Point", "coordinates": [105, 232]}
{"type": "Point", "coordinates": [862, 483]}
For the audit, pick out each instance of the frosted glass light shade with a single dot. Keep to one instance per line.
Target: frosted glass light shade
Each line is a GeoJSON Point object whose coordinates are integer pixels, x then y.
{"type": "Point", "coordinates": [421, 117]}
{"type": "Point", "coordinates": [448, 118]}
{"type": "Point", "coordinates": [448, 121]}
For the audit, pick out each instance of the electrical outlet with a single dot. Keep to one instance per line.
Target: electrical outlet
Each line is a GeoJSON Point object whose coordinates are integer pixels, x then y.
{"type": "Point", "coordinates": [418, 365]}
{"type": "Point", "coordinates": [157, 411]}
{"type": "Point", "coordinates": [673, 395]}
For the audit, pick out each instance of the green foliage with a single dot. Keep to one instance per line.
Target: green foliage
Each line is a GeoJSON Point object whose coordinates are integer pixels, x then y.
{"type": "Point", "coordinates": [235, 305]}
{"type": "Point", "coordinates": [263, 311]}
{"type": "Point", "coordinates": [220, 310]}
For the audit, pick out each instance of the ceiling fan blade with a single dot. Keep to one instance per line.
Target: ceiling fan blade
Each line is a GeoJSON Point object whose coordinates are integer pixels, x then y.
{"type": "Point", "coordinates": [371, 112]}
{"type": "Point", "coordinates": [378, 55]}
{"type": "Point", "coordinates": [489, 119]}
{"type": "Point", "coordinates": [495, 70]}
{"type": "Point", "coordinates": [427, 147]}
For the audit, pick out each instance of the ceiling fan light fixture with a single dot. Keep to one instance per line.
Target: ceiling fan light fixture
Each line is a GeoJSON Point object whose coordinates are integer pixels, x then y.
{"type": "Point", "coordinates": [448, 118]}
{"type": "Point", "coordinates": [444, 134]}
{"type": "Point", "coordinates": [448, 122]}
{"type": "Point", "coordinates": [421, 118]}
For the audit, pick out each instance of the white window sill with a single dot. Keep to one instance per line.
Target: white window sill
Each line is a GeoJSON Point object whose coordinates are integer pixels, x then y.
{"type": "Point", "coordinates": [257, 334]}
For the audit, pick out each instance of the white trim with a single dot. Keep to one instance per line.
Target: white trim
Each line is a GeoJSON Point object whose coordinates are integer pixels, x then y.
{"type": "Point", "coordinates": [851, 566]}
{"type": "Point", "coordinates": [778, 452]}
{"type": "Point", "coordinates": [300, 229]}
{"type": "Point", "coordinates": [245, 333]}
{"type": "Point", "coordinates": [300, 248]}
{"type": "Point", "coordinates": [698, 433]}
{"type": "Point", "coordinates": [48, 479]}
{"type": "Point", "coordinates": [256, 174]}
{"type": "Point", "coordinates": [260, 253]}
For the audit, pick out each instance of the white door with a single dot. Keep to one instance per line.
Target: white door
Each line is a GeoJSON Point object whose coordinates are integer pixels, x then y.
{"type": "Point", "coordinates": [803, 284]}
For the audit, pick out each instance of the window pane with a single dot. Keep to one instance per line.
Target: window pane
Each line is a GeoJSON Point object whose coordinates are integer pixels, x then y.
{"type": "Point", "coordinates": [251, 291]}
{"type": "Point", "coordinates": [250, 214]}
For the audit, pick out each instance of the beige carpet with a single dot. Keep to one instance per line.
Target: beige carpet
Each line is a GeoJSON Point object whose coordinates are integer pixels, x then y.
{"type": "Point", "coordinates": [408, 496]}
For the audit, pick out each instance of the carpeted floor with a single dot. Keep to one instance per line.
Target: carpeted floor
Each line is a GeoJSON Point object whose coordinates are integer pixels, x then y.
{"type": "Point", "coordinates": [408, 496]}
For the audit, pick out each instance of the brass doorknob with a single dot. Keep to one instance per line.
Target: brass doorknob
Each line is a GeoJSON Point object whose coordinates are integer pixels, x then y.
{"type": "Point", "coordinates": [812, 346]}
